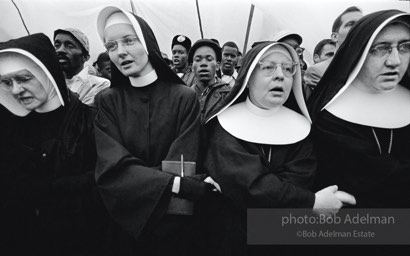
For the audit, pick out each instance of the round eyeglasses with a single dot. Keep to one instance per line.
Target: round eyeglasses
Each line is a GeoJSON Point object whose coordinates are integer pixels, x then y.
{"type": "Point", "coordinates": [382, 50]}
{"type": "Point", "coordinates": [126, 41]}
{"type": "Point", "coordinates": [268, 68]}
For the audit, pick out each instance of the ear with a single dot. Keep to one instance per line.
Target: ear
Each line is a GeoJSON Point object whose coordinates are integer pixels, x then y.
{"type": "Point", "coordinates": [218, 65]}
{"type": "Point", "coordinates": [334, 36]}
{"type": "Point", "coordinates": [316, 58]}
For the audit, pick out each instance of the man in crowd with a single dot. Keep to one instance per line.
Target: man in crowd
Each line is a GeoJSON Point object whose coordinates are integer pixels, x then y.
{"type": "Point", "coordinates": [180, 48]}
{"type": "Point", "coordinates": [73, 49]}
{"type": "Point", "coordinates": [205, 56]}
{"type": "Point", "coordinates": [229, 61]}
{"type": "Point", "coordinates": [324, 50]}
{"type": "Point", "coordinates": [340, 28]}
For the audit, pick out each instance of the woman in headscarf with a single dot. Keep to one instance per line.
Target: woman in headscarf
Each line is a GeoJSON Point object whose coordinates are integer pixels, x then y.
{"type": "Point", "coordinates": [361, 113]}
{"type": "Point", "coordinates": [48, 199]}
{"type": "Point", "coordinates": [260, 152]}
{"type": "Point", "coordinates": [147, 116]}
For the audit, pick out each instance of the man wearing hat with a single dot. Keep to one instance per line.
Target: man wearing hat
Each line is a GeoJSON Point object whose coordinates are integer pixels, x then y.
{"type": "Point", "coordinates": [73, 49]}
{"type": "Point", "coordinates": [180, 48]}
{"type": "Point", "coordinates": [205, 56]}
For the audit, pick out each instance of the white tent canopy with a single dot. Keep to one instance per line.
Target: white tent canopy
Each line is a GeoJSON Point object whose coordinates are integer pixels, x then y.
{"type": "Point", "coordinates": [224, 20]}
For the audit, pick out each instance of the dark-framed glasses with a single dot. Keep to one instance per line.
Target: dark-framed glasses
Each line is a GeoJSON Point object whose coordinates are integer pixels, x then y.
{"type": "Point", "coordinates": [126, 41]}
{"type": "Point", "coordinates": [383, 49]}
{"type": "Point", "coordinates": [269, 67]}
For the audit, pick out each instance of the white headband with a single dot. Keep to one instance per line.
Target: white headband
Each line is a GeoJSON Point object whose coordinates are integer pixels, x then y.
{"type": "Point", "coordinates": [117, 18]}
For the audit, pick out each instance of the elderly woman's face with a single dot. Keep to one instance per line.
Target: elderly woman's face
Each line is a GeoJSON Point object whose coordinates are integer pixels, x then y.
{"type": "Point", "coordinates": [25, 87]}
{"type": "Point", "coordinates": [129, 55]}
{"type": "Point", "coordinates": [382, 70]}
{"type": "Point", "coordinates": [271, 90]}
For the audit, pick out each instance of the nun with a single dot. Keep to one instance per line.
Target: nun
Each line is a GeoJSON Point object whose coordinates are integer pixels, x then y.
{"type": "Point", "coordinates": [260, 151]}
{"type": "Point", "coordinates": [49, 203]}
{"type": "Point", "coordinates": [361, 113]}
{"type": "Point", "coordinates": [148, 116]}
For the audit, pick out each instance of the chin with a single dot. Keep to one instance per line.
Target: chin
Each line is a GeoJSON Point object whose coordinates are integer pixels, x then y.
{"type": "Point", "coordinates": [387, 86]}
{"type": "Point", "coordinates": [129, 72]}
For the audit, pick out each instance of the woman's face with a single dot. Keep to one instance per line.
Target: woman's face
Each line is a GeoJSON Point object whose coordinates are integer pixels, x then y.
{"type": "Point", "coordinates": [129, 57]}
{"type": "Point", "coordinates": [25, 87]}
{"type": "Point", "coordinates": [382, 72]}
{"type": "Point", "coordinates": [273, 90]}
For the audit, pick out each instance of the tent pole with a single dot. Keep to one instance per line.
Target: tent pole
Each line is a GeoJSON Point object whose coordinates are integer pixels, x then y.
{"type": "Point", "coordinates": [133, 8]}
{"type": "Point", "coordinates": [199, 19]}
{"type": "Point", "coordinates": [21, 17]}
{"type": "Point", "coordinates": [248, 28]}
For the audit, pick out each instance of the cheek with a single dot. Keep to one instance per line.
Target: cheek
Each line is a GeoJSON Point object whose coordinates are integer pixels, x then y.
{"type": "Point", "coordinates": [288, 86]}
{"type": "Point", "coordinates": [39, 93]}
{"type": "Point", "coordinates": [114, 60]}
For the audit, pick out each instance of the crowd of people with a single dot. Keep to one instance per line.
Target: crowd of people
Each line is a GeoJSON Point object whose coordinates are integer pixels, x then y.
{"type": "Point", "coordinates": [93, 158]}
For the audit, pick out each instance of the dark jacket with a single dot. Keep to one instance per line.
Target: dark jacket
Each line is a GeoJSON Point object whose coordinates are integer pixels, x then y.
{"type": "Point", "coordinates": [210, 97]}
{"type": "Point", "coordinates": [49, 204]}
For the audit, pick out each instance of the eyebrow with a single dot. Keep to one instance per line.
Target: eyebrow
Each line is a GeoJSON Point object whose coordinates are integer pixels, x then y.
{"type": "Point", "coordinates": [21, 72]}
{"type": "Point", "coordinates": [389, 42]}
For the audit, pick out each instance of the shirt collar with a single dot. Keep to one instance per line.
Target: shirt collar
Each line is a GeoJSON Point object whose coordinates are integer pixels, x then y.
{"type": "Point", "coordinates": [145, 80]}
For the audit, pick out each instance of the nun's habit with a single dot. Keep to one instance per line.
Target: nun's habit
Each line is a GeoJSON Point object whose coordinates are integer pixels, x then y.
{"type": "Point", "coordinates": [141, 122]}
{"type": "Point", "coordinates": [363, 140]}
{"type": "Point", "coordinates": [260, 158]}
{"type": "Point", "coordinates": [48, 199]}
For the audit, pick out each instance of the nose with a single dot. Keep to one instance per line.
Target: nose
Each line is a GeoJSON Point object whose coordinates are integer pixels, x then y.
{"type": "Point", "coordinates": [393, 60]}
{"type": "Point", "coordinates": [60, 48]}
{"type": "Point", "coordinates": [203, 63]}
{"type": "Point", "coordinates": [121, 50]}
{"type": "Point", "coordinates": [278, 74]}
{"type": "Point", "coordinates": [17, 88]}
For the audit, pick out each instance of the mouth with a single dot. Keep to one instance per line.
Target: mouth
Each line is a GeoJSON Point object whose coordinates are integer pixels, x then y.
{"type": "Point", "coordinates": [276, 89]}
{"type": "Point", "coordinates": [26, 100]}
{"type": "Point", "coordinates": [126, 63]}
{"type": "Point", "coordinates": [203, 72]}
{"type": "Point", "coordinates": [391, 75]}
{"type": "Point", "coordinates": [227, 65]}
{"type": "Point", "coordinates": [62, 59]}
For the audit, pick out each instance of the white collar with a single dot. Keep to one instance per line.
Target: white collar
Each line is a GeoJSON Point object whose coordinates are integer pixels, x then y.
{"type": "Point", "coordinates": [234, 74]}
{"type": "Point", "coordinates": [274, 127]}
{"type": "Point", "coordinates": [82, 76]}
{"type": "Point", "coordinates": [389, 109]}
{"type": "Point", "coordinates": [142, 81]}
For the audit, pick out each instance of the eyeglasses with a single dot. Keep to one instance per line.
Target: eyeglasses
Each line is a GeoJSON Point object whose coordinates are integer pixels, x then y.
{"type": "Point", "coordinates": [126, 41]}
{"type": "Point", "coordinates": [7, 83]}
{"type": "Point", "coordinates": [268, 68]}
{"type": "Point", "coordinates": [382, 50]}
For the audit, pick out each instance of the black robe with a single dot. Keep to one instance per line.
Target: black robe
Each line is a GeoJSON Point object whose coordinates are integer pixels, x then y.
{"type": "Point", "coordinates": [376, 180]}
{"type": "Point", "coordinates": [348, 154]}
{"type": "Point", "coordinates": [49, 204]}
{"type": "Point", "coordinates": [249, 180]}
